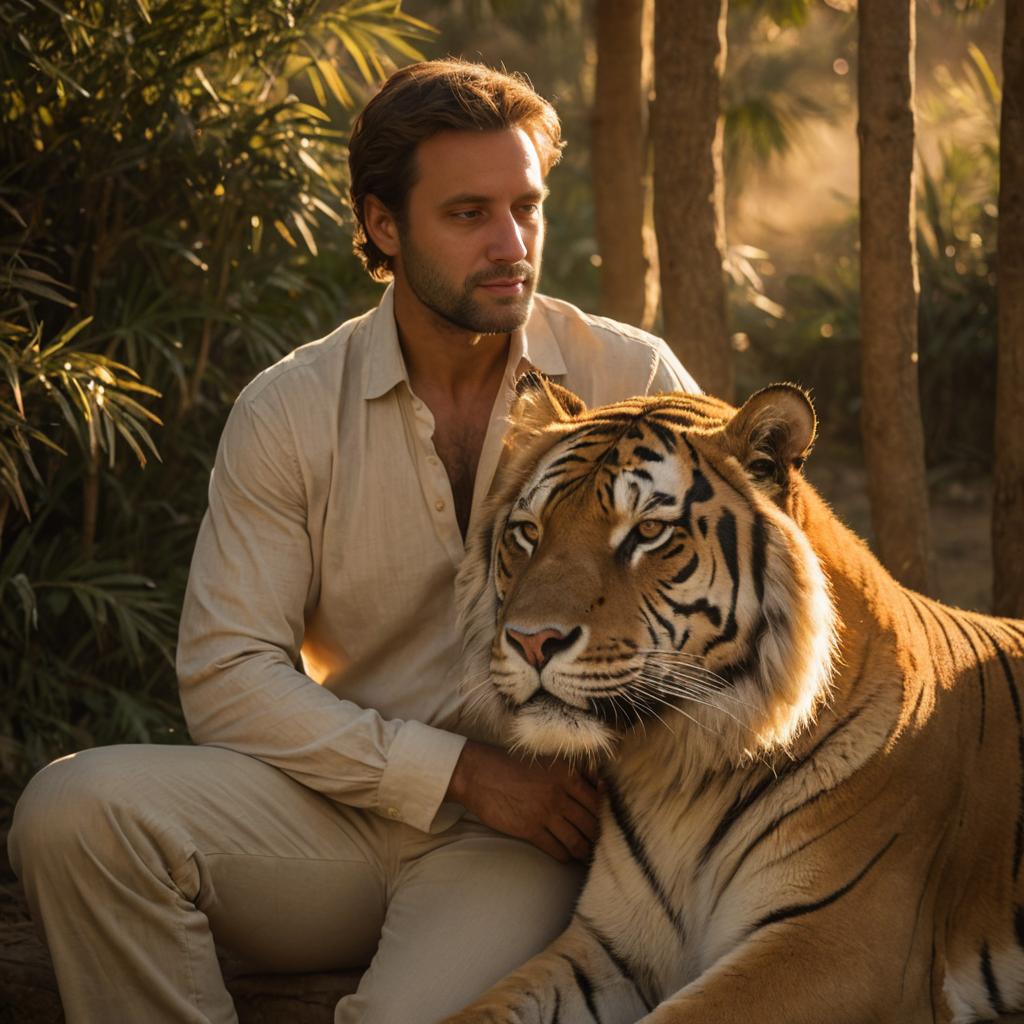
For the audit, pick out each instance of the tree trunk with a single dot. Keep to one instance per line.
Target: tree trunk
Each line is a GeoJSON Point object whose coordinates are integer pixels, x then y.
{"type": "Point", "coordinates": [689, 59]}
{"type": "Point", "coordinates": [891, 414]}
{"type": "Point", "coordinates": [629, 281]}
{"type": "Point", "coordinates": [1008, 500]}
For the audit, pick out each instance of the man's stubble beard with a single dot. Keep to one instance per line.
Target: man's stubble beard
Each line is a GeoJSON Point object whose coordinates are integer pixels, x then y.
{"type": "Point", "coordinates": [459, 306]}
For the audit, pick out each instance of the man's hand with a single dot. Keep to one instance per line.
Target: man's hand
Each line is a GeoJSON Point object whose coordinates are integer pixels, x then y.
{"type": "Point", "coordinates": [545, 802]}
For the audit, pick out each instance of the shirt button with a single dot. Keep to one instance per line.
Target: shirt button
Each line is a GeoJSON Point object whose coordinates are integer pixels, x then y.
{"type": "Point", "coordinates": [394, 812]}
{"type": "Point", "coordinates": [439, 505]}
{"type": "Point", "coordinates": [417, 404]}
{"type": "Point", "coordinates": [432, 460]}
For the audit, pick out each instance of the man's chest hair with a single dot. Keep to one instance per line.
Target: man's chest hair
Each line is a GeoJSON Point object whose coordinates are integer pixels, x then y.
{"type": "Point", "coordinates": [459, 451]}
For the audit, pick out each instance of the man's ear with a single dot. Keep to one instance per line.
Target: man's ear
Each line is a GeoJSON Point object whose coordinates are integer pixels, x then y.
{"type": "Point", "coordinates": [773, 433]}
{"type": "Point", "coordinates": [381, 226]}
{"type": "Point", "coordinates": [539, 402]}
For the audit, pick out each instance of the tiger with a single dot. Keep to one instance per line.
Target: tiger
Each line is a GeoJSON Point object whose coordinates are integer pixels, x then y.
{"type": "Point", "coordinates": [813, 777]}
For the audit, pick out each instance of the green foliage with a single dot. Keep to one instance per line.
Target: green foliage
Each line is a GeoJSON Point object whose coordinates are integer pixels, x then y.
{"type": "Point", "coordinates": [956, 242]}
{"type": "Point", "coordinates": [774, 86]}
{"type": "Point", "coordinates": [172, 219]}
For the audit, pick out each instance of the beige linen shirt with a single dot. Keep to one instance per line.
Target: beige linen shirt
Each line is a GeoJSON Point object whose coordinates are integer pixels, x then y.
{"type": "Point", "coordinates": [318, 632]}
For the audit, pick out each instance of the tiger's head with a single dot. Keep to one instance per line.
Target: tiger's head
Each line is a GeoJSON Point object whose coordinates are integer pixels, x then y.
{"type": "Point", "coordinates": [637, 565]}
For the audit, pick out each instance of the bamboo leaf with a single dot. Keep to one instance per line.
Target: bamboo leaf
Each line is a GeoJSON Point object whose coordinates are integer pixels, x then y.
{"type": "Point", "coordinates": [303, 229]}
{"type": "Point", "coordinates": [283, 231]}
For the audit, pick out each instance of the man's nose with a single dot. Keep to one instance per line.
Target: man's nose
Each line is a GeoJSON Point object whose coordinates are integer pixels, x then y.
{"type": "Point", "coordinates": [507, 244]}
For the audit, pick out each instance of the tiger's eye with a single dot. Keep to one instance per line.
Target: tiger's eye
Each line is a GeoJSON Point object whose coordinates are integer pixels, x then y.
{"type": "Point", "coordinates": [649, 528]}
{"type": "Point", "coordinates": [529, 531]}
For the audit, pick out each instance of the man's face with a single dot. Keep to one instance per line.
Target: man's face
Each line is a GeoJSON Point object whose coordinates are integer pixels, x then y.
{"type": "Point", "coordinates": [473, 231]}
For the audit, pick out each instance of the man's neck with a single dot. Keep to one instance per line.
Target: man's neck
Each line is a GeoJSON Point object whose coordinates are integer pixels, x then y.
{"type": "Point", "coordinates": [443, 360]}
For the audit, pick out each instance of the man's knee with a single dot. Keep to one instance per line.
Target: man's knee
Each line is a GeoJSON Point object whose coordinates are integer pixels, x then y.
{"type": "Point", "coordinates": [68, 806]}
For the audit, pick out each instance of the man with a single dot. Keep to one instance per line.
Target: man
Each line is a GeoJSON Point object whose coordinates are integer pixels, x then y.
{"type": "Point", "coordinates": [341, 807]}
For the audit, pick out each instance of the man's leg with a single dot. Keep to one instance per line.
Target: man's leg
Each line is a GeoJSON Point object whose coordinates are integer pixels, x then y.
{"type": "Point", "coordinates": [466, 907]}
{"type": "Point", "coordinates": [135, 859]}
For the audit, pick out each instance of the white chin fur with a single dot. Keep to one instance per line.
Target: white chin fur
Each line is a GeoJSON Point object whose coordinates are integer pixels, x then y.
{"type": "Point", "coordinates": [563, 731]}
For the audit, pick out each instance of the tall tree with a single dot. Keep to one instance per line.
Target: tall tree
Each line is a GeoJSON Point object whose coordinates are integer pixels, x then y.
{"type": "Point", "coordinates": [1008, 501]}
{"type": "Point", "coordinates": [891, 413]}
{"type": "Point", "coordinates": [629, 281]}
{"type": "Point", "coordinates": [689, 59]}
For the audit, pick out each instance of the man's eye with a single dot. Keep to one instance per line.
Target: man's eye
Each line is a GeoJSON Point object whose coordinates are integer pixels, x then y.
{"type": "Point", "coordinates": [530, 209]}
{"type": "Point", "coordinates": [466, 214]}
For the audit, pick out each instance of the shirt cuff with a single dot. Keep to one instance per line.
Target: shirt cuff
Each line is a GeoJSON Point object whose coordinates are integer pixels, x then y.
{"type": "Point", "coordinates": [420, 763]}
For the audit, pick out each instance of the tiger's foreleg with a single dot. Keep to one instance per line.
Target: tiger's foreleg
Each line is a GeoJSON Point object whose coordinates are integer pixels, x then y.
{"type": "Point", "coordinates": [796, 973]}
{"type": "Point", "coordinates": [578, 978]}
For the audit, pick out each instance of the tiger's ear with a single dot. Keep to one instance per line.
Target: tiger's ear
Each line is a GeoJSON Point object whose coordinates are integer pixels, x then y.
{"type": "Point", "coordinates": [539, 402]}
{"type": "Point", "coordinates": [773, 433]}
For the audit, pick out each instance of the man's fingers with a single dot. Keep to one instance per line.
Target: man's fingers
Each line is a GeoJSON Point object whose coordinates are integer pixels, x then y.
{"type": "Point", "coordinates": [582, 818]}
{"type": "Point", "coordinates": [584, 792]}
{"type": "Point", "coordinates": [547, 842]}
{"type": "Point", "coordinates": [570, 838]}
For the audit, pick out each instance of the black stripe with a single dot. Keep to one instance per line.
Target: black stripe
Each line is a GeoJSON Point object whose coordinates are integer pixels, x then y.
{"type": "Point", "coordinates": [725, 533]}
{"type": "Point", "coordinates": [621, 965]}
{"type": "Point", "coordinates": [740, 804]}
{"type": "Point", "coordinates": [699, 491]}
{"type": "Point", "coordinates": [624, 821]}
{"type": "Point", "coordinates": [568, 457]}
{"type": "Point", "coordinates": [556, 1012]}
{"type": "Point", "coordinates": [643, 452]}
{"type": "Point", "coordinates": [665, 624]}
{"type": "Point", "coordinates": [1016, 631]}
{"type": "Point", "coordinates": [981, 673]}
{"type": "Point", "coordinates": [800, 909]}
{"type": "Point", "coordinates": [664, 435]}
{"type": "Point", "coordinates": [701, 606]}
{"type": "Point", "coordinates": [979, 663]}
{"type": "Point", "coordinates": [995, 997]}
{"type": "Point", "coordinates": [585, 985]}
{"type": "Point", "coordinates": [773, 825]}
{"type": "Point", "coordinates": [927, 635]}
{"type": "Point", "coordinates": [659, 499]}
{"type": "Point", "coordinates": [1007, 669]}
{"type": "Point", "coordinates": [687, 570]}
{"type": "Point", "coordinates": [502, 564]}
{"type": "Point", "coordinates": [1018, 841]}
{"type": "Point", "coordinates": [562, 486]}
{"type": "Point", "coordinates": [758, 556]}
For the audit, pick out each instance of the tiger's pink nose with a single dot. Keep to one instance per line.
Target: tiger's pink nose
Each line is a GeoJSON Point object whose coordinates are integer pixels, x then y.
{"type": "Point", "coordinates": [537, 649]}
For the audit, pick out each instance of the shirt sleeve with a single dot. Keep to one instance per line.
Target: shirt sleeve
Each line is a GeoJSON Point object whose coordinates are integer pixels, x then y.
{"type": "Point", "coordinates": [668, 374]}
{"type": "Point", "coordinates": [250, 588]}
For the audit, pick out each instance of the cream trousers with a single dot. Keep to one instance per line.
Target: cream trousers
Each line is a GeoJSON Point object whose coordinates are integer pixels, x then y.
{"type": "Point", "coordinates": [136, 860]}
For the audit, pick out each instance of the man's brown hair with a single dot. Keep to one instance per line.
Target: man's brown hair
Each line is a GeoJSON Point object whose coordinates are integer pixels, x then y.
{"type": "Point", "coordinates": [420, 101]}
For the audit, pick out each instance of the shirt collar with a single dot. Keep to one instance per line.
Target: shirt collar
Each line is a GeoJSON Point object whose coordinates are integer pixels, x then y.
{"type": "Point", "coordinates": [533, 346]}
{"type": "Point", "coordinates": [385, 364]}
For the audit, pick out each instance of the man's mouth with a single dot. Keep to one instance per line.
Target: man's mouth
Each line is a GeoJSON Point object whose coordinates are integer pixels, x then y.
{"type": "Point", "coordinates": [505, 286]}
